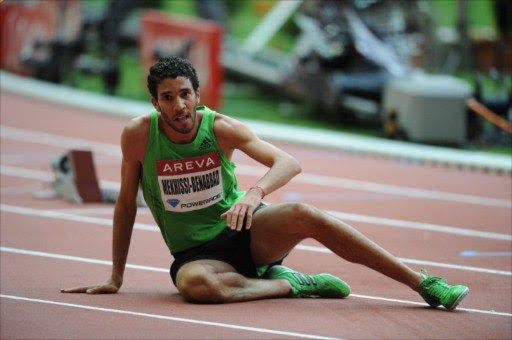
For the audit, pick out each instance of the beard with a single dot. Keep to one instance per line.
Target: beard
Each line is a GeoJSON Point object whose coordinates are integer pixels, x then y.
{"type": "Point", "coordinates": [177, 125]}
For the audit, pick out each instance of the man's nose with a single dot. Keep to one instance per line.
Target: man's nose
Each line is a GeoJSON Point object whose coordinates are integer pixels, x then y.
{"type": "Point", "coordinates": [180, 104]}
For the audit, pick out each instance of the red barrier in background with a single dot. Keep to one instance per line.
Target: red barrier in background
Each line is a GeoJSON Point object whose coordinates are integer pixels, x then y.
{"type": "Point", "coordinates": [22, 23]}
{"type": "Point", "coordinates": [170, 32]}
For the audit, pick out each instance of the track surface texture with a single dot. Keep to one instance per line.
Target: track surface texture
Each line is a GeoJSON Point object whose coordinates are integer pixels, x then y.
{"type": "Point", "coordinates": [454, 223]}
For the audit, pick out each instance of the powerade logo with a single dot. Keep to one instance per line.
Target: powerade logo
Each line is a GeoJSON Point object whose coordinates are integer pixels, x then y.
{"type": "Point", "coordinates": [200, 203]}
{"type": "Point", "coordinates": [173, 202]}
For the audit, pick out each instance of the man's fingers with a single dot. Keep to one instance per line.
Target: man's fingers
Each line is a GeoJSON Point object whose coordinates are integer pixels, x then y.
{"type": "Point", "coordinates": [248, 218]}
{"type": "Point", "coordinates": [106, 288]}
{"type": "Point", "coordinates": [241, 217]}
{"type": "Point", "coordinates": [234, 217]}
{"type": "Point", "coordinates": [75, 290]}
{"type": "Point", "coordinates": [227, 216]}
{"type": "Point", "coordinates": [109, 289]}
{"type": "Point", "coordinates": [94, 290]}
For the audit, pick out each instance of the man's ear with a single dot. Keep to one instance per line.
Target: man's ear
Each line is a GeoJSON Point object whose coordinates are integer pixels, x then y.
{"type": "Point", "coordinates": [155, 103]}
{"type": "Point", "coordinates": [198, 96]}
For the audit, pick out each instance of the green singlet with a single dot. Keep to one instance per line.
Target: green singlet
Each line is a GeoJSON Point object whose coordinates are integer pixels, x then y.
{"type": "Point", "coordinates": [188, 186]}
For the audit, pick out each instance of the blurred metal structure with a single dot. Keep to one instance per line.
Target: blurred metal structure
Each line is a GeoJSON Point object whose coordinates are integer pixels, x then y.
{"type": "Point", "coordinates": [343, 58]}
{"type": "Point", "coordinates": [269, 26]}
{"type": "Point", "coordinates": [350, 54]}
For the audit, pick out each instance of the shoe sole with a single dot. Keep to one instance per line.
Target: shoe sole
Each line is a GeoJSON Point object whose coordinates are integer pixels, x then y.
{"type": "Point", "coordinates": [459, 299]}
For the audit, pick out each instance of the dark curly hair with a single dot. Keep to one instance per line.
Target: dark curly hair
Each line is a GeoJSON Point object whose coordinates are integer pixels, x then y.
{"type": "Point", "coordinates": [171, 67]}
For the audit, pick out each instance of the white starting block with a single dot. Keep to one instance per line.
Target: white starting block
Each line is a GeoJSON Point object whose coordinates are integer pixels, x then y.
{"type": "Point", "coordinates": [75, 177]}
{"type": "Point", "coordinates": [76, 180]}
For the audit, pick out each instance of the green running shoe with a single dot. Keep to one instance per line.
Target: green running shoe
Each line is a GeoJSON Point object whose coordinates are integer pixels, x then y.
{"type": "Point", "coordinates": [320, 285]}
{"type": "Point", "coordinates": [435, 291]}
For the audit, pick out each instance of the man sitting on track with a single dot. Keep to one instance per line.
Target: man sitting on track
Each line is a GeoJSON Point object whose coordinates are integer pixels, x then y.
{"type": "Point", "coordinates": [227, 245]}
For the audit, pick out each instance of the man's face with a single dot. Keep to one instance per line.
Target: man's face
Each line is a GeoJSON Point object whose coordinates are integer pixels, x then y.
{"type": "Point", "coordinates": [177, 103]}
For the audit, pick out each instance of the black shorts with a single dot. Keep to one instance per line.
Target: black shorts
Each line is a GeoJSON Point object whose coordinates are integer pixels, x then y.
{"type": "Point", "coordinates": [230, 246]}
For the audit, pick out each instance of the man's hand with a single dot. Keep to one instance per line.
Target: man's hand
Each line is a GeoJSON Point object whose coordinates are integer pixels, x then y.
{"type": "Point", "coordinates": [107, 287]}
{"type": "Point", "coordinates": [243, 210]}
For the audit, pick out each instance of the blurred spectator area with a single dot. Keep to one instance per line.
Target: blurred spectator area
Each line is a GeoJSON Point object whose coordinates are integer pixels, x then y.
{"type": "Point", "coordinates": [467, 35]}
{"type": "Point", "coordinates": [487, 24]}
{"type": "Point", "coordinates": [470, 39]}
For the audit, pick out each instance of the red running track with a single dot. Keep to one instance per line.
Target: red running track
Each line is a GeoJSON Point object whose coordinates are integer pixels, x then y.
{"type": "Point", "coordinates": [428, 216]}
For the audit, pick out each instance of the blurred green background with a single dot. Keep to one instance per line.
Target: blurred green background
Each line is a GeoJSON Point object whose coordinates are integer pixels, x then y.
{"type": "Point", "coordinates": [247, 100]}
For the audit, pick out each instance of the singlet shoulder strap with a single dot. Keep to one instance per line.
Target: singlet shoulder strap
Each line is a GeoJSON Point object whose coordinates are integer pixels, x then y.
{"type": "Point", "coordinates": [153, 130]}
{"type": "Point", "coordinates": [208, 117]}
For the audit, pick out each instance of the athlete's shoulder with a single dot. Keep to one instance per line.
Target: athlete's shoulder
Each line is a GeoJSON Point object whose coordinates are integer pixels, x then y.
{"type": "Point", "coordinates": [137, 128]}
{"type": "Point", "coordinates": [135, 136]}
{"type": "Point", "coordinates": [228, 127]}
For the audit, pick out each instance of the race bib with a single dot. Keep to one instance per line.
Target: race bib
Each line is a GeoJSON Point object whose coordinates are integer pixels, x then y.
{"type": "Point", "coordinates": [191, 183]}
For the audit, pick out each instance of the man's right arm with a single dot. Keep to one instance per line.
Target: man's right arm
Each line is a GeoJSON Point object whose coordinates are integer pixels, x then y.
{"type": "Point", "coordinates": [132, 144]}
{"type": "Point", "coordinates": [124, 215]}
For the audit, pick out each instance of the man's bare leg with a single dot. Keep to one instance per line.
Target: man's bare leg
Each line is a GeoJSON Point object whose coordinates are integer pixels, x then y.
{"type": "Point", "coordinates": [212, 281]}
{"type": "Point", "coordinates": [278, 228]}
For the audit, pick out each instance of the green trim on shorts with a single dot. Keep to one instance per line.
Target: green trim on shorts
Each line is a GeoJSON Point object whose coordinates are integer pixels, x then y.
{"type": "Point", "coordinates": [261, 270]}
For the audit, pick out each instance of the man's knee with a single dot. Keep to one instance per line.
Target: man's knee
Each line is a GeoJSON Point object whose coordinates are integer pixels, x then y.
{"type": "Point", "coordinates": [309, 219]}
{"type": "Point", "coordinates": [305, 213]}
{"type": "Point", "coordinates": [201, 287]}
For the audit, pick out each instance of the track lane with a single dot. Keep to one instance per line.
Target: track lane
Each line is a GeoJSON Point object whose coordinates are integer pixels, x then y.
{"type": "Point", "coordinates": [148, 249]}
{"type": "Point", "coordinates": [361, 318]}
{"type": "Point", "coordinates": [344, 316]}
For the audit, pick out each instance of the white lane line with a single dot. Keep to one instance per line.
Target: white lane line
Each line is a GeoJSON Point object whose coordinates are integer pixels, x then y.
{"type": "Point", "coordinates": [103, 262]}
{"type": "Point", "coordinates": [41, 175]}
{"type": "Point", "coordinates": [341, 215]}
{"type": "Point", "coordinates": [404, 191]}
{"type": "Point", "coordinates": [50, 139]}
{"type": "Point", "coordinates": [419, 226]}
{"type": "Point", "coordinates": [347, 217]}
{"type": "Point", "coordinates": [98, 211]}
{"type": "Point", "coordinates": [329, 181]}
{"type": "Point", "coordinates": [298, 247]}
{"type": "Point", "coordinates": [46, 176]}
{"type": "Point", "coordinates": [17, 171]}
{"type": "Point", "coordinates": [324, 250]}
{"type": "Point", "coordinates": [77, 259]}
{"type": "Point", "coordinates": [168, 318]}
{"type": "Point", "coordinates": [16, 190]}
{"type": "Point", "coordinates": [471, 310]}
{"type": "Point", "coordinates": [69, 217]}
{"type": "Point", "coordinates": [114, 150]}
{"type": "Point", "coordinates": [474, 253]}
{"type": "Point", "coordinates": [153, 228]}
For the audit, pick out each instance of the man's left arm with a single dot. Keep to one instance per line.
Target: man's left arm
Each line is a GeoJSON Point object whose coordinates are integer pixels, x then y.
{"type": "Point", "coordinates": [232, 134]}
